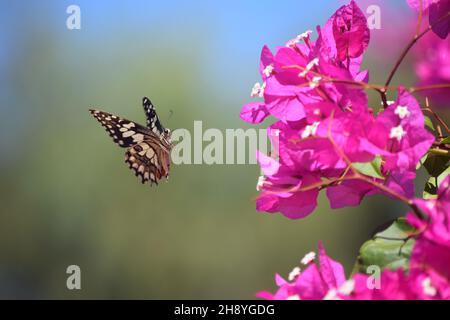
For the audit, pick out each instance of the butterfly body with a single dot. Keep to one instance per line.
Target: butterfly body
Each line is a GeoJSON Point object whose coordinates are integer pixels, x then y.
{"type": "Point", "coordinates": [148, 148]}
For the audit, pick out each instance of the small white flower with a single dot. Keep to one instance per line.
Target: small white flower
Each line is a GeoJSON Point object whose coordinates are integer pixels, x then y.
{"type": "Point", "coordinates": [294, 297]}
{"type": "Point", "coordinates": [389, 102]}
{"type": "Point", "coordinates": [294, 273]}
{"type": "Point", "coordinates": [397, 133]}
{"type": "Point", "coordinates": [331, 295]}
{"type": "Point", "coordinates": [428, 289]}
{"type": "Point", "coordinates": [347, 287]}
{"type": "Point", "coordinates": [304, 35]}
{"type": "Point", "coordinates": [268, 70]}
{"type": "Point", "coordinates": [260, 183]}
{"type": "Point", "coordinates": [402, 112]}
{"type": "Point", "coordinates": [275, 133]}
{"type": "Point", "coordinates": [255, 90]}
{"type": "Point", "coordinates": [308, 258]}
{"type": "Point", "coordinates": [314, 83]}
{"type": "Point", "coordinates": [310, 130]}
{"type": "Point", "coordinates": [291, 43]}
{"type": "Point", "coordinates": [309, 66]}
{"type": "Point", "coordinates": [258, 90]}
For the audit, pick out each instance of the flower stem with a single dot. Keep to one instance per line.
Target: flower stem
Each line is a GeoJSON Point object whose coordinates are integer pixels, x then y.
{"type": "Point", "coordinates": [438, 118]}
{"type": "Point", "coordinates": [416, 38]}
{"type": "Point", "coordinates": [419, 19]}
{"type": "Point", "coordinates": [430, 87]}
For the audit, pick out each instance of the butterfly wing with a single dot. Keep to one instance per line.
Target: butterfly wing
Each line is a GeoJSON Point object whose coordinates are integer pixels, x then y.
{"type": "Point", "coordinates": [148, 153]}
{"type": "Point", "coordinates": [149, 159]}
{"type": "Point", "coordinates": [153, 122]}
{"type": "Point", "coordinates": [124, 132]}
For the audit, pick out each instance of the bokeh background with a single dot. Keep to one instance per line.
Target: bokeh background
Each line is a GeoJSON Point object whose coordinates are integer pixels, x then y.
{"type": "Point", "coordinates": [66, 197]}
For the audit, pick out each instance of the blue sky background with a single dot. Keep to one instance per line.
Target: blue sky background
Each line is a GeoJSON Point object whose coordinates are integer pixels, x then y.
{"type": "Point", "coordinates": [231, 33]}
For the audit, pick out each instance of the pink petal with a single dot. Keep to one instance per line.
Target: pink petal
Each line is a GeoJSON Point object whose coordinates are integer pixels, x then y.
{"type": "Point", "coordinates": [350, 31]}
{"type": "Point", "coordinates": [332, 272]}
{"type": "Point", "coordinates": [437, 11]}
{"type": "Point", "coordinates": [254, 112]}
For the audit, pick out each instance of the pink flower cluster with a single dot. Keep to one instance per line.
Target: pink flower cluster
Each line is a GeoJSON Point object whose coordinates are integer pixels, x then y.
{"type": "Point", "coordinates": [316, 91]}
{"type": "Point", "coordinates": [327, 137]}
{"type": "Point", "coordinates": [427, 278]}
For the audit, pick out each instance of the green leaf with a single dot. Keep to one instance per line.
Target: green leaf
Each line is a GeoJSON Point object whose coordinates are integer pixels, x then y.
{"type": "Point", "coordinates": [390, 248]}
{"type": "Point", "coordinates": [443, 175]}
{"type": "Point", "coordinates": [446, 141]}
{"type": "Point", "coordinates": [422, 161]}
{"type": "Point", "coordinates": [371, 169]}
{"type": "Point", "coordinates": [436, 164]}
{"type": "Point", "coordinates": [431, 187]}
{"type": "Point", "coordinates": [429, 123]}
{"type": "Point", "coordinates": [430, 190]}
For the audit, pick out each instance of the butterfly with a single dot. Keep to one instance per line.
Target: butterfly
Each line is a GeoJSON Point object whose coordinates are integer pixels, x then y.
{"type": "Point", "coordinates": [148, 148]}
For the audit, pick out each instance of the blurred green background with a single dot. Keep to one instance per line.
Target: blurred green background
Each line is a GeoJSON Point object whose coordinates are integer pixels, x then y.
{"type": "Point", "coordinates": [66, 195]}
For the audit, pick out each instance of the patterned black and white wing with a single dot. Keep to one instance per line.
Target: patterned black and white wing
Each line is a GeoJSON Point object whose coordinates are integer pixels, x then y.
{"type": "Point", "coordinates": [124, 132]}
{"type": "Point", "coordinates": [150, 160]}
{"type": "Point", "coordinates": [148, 149]}
{"type": "Point", "coordinates": [153, 122]}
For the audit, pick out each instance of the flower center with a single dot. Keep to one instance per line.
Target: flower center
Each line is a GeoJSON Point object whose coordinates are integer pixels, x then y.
{"type": "Point", "coordinates": [428, 289]}
{"type": "Point", "coordinates": [314, 62]}
{"type": "Point", "coordinates": [258, 90]}
{"type": "Point", "coordinates": [402, 112]}
{"type": "Point", "coordinates": [308, 258]}
{"type": "Point", "coordinates": [310, 130]}
{"type": "Point", "coordinates": [305, 35]}
{"type": "Point", "coordinates": [294, 274]}
{"type": "Point", "coordinates": [268, 70]}
{"type": "Point", "coordinates": [397, 133]}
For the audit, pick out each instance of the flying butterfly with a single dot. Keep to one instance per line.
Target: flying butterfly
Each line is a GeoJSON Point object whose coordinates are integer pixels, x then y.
{"type": "Point", "coordinates": [148, 148]}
